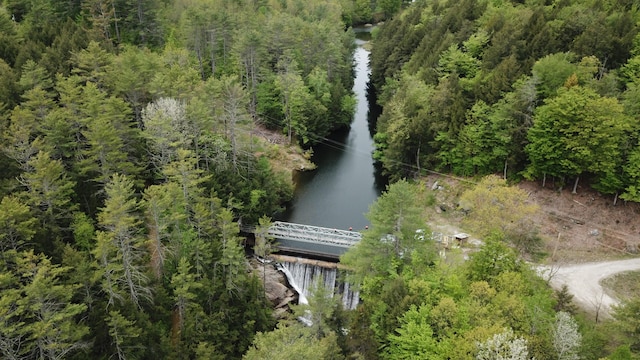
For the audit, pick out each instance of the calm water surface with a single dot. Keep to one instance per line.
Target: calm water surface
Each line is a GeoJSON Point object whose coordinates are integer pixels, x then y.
{"type": "Point", "coordinates": [339, 192]}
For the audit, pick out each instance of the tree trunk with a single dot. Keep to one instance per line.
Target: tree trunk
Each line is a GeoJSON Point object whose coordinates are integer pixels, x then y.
{"type": "Point", "coordinates": [544, 179]}
{"type": "Point", "coordinates": [115, 21]}
{"type": "Point", "coordinates": [200, 63]}
{"type": "Point", "coordinates": [615, 199]}
{"type": "Point", "coordinates": [418, 158]}
{"type": "Point", "coordinates": [212, 47]}
{"type": "Point", "coordinates": [504, 172]}
{"type": "Point", "coordinates": [575, 185]}
{"type": "Point", "coordinates": [141, 21]}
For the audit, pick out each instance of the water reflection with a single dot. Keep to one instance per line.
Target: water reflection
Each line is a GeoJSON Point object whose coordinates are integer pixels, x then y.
{"type": "Point", "coordinates": [339, 192]}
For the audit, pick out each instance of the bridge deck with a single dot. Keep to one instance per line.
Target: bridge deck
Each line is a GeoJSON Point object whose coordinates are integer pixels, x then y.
{"type": "Point", "coordinates": [314, 234]}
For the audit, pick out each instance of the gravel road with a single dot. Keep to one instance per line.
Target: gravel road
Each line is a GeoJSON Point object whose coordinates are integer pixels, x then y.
{"type": "Point", "coordinates": [583, 281]}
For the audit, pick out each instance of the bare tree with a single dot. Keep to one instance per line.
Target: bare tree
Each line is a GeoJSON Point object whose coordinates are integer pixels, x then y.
{"type": "Point", "coordinates": [234, 105]}
{"type": "Point", "coordinates": [597, 305]}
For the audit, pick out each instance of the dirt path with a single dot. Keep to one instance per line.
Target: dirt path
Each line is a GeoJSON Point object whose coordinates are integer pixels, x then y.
{"type": "Point", "coordinates": [583, 281]}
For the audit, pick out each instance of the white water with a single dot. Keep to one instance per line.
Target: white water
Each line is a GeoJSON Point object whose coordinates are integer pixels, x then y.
{"type": "Point", "coordinates": [303, 276]}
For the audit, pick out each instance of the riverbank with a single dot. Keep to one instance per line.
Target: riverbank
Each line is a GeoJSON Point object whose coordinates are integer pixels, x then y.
{"type": "Point", "coordinates": [283, 157]}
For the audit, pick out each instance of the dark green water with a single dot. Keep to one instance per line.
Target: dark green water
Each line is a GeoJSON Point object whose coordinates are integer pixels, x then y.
{"type": "Point", "coordinates": [339, 192]}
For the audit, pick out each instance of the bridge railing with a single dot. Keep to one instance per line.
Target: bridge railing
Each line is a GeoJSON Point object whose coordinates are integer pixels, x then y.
{"type": "Point", "coordinates": [314, 234]}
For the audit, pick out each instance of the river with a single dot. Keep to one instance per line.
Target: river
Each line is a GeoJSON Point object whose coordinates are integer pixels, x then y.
{"type": "Point", "coordinates": [338, 193]}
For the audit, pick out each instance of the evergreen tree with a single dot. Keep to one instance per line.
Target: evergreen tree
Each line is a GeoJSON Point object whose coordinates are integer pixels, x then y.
{"type": "Point", "coordinates": [124, 335]}
{"type": "Point", "coordinates": [110, 137]}
{"type": "Point", "coordinates": [49, 191]}
{"type": "Point", "coordinates": [165, 213]}
{"type": "Point", "coordinates": [390, 243]}
{"type": "Point", "coordinates": [17, 224]}
{"type": "Point", "coordinates": [38, 319]}
{"type": "Point", "coordinates": [120, 249]}
{"type": "Point", "coordinates": [185, 291]}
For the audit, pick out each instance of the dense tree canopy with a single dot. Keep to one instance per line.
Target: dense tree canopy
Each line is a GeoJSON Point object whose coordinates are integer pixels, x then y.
{"type": "Point", "coordinates": [501, 77]}
{"type": "Point", "coordinates": [129, 156]}
{"type": "Point", "coordinates": [129, 151]}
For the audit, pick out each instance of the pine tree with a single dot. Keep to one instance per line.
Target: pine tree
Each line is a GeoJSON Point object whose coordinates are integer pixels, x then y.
{"type": "Point", "coordinates": [232, 256]}
{"type": "Point", "coordinates": [38, 318]}
{"type": "Point", "coordinates": [564, 301]}
{"type": "Point", "coordinates": [120, 247]}
{"type": "Point", "coordinates": [17, 224]}
{"type": "Point", "coordinates": [391, 241]}
{"type": "Point", "coordinates": [124, 334]}
{"type": "Point", "coordinates": [110, 136]}
{"type": "Point", "coordinates": [185, 289]}
{"type": "Point", "coordinates": [49, 190]}
{"type": "Point", "coordinates": [165, 213]}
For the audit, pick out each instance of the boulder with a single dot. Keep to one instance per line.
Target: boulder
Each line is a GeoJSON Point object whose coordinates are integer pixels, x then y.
{"type": "Point", "coordinates": [276, 287]}
{"type": "Point", "coordinates": [275, 291]}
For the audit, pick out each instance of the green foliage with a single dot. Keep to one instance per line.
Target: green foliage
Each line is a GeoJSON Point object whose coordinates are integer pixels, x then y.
{"type": "Point", "coordinates": [492, 260]}
{"type": "Point", "coordinates": [564, 301]}
{"type": "Point", "coordinates": [629, 322]}
{"type": "Point", "coordinates": [474, 55]}
{"type": "Point", "coordinates": [83, 231]}
{"type": "Point", "coordinates": [124, 334]}
{"type": "Point", "coordinates": [414, 339]}
{"type": "Point", "coordinates": [403, 131]}
{"type": "Point", "coordinates": [622, 353]}
{"type": "Point", "coordinates": [390, 243]}
{"type": "Point", "coordinates": [576, 132]}
{"type": "Point", "coordinates": [17, 226]}
{"type": "Point", "coordinates": [293, 342]}
{"type": "Point", "coordinates": [119, 248]}
{"type": "Point", "coordinates": [482, 144]}
{"type": "Point", "coordinates": [109, 135]}
{"type": "Point", "coordinates": [77, 80]}
{"type": "Point", "coordinates": [49, 191]}
{"type": "Point", "coordinates": [264, 242]}
{"type": "Point", "coordinates": [494, 208]}
{"type": "Point", "coordinates": [551, 72]}
{"type": "Point", "coordinates": [37, 314]}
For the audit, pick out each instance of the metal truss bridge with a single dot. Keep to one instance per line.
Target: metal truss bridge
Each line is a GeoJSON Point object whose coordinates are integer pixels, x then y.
{"type": "Point", "coordinates": [312, 240]}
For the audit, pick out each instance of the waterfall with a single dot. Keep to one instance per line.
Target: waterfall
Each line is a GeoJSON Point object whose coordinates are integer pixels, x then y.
{"type": "Point", "coordinates": [302, 276]}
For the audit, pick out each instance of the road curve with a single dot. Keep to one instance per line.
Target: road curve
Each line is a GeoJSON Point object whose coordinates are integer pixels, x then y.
{"type": "Point", "coordinates": [583, 281]}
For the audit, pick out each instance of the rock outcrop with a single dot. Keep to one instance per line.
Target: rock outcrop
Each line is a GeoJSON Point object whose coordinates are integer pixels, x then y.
{"type": "Point", "coordinates": [277, 287]}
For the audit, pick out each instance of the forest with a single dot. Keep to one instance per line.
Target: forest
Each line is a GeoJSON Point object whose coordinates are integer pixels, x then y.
{"type": "Point", "coordinates": [132, 148]}
{"type": "Point", "coordinates": [542, 90]}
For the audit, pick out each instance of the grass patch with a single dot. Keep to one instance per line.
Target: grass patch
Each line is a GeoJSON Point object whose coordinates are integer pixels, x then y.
{"type": "Point", "coordinates": [624, 285]}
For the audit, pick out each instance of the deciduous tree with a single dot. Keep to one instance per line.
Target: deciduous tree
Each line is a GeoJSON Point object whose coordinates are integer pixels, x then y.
{"type": "Point", "coordinates": [290, 342]}
{"type": "Point", "coordinates": [505, 345]}
{"type": "Point", "coordinates": [415, 338]}
{"type": "Point", "coordinates": [492, 206]}
{"type": "Point", "coordinates": [166, 129]}
{"type": "Point", "coordinates": [566, 337]}
{"type": "Point", "coordinates": [576, 132]}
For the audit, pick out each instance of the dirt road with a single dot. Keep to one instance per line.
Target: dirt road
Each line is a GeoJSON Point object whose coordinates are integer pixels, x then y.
{"type": "Point", "coordinates": [583, 281]}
